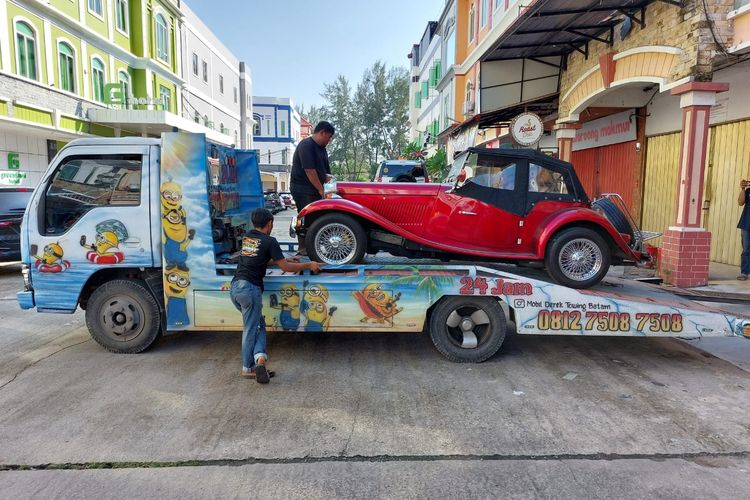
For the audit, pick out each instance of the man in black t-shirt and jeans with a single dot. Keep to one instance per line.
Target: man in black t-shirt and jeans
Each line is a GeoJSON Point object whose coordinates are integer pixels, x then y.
{"type": "Point", "coordinates": [311, 170]}
{"type": "Point", "coordinates": [258, 248]}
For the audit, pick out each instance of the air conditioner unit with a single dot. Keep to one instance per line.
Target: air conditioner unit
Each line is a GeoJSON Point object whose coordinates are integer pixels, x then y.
{"type": "Point", "coordinates": [468, 107]}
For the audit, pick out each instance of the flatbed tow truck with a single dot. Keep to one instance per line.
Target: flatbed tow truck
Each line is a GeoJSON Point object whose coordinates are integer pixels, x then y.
{"type": "Point", "coordinates": [141, 232]}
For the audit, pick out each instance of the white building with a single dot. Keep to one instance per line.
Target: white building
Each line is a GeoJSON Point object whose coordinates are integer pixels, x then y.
{"type": "Point", "coordinates": [424, 98]}
{"type": "Point", "coordinates": [276, 132]}
{"type": "Point", "coordinates": [218, 88]}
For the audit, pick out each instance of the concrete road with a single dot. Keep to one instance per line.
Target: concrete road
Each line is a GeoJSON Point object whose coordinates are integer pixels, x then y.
{"type": "Point", "coordinates": [364, 415]}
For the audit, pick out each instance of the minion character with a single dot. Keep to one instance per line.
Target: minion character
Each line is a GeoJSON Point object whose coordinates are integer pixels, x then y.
{"type": "Point", "coordinates": [51, 260]}
{"type": "Point", "coordinates": [176, 236]}
{"type": "Point", "coordinates": [105, 249]}
{"type": "Point", "coordinates": [315, 307]}
{"type": "Point", "coordinates": [176, 283]}
{"type": "Point", "coordinates": [289, 306]}
{"type": "Point", "coordinates": [377, 304]}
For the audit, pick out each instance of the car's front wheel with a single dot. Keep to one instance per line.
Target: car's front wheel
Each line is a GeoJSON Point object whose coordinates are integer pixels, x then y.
{"type": "Point", "coordinates": [336, 239]}
{"type": "Point", "coordinates": [577, 257]}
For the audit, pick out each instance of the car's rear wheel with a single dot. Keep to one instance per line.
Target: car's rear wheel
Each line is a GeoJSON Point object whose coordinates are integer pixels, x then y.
{"type": "Point", "coordinates": [577, 257]}
{"type": "Point", "coordinates": [336, 239]}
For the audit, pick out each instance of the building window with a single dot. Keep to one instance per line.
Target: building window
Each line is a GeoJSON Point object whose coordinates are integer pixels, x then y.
{"type": "Point", "coordinates": [484, 14]}
{"type": "Point", "coordinates": [221, 128]}
{"type": "Point", "coordinates": [205, 121]}
{"type": "Point", "coordinates": [95, 7]}
{"type": "Point", "coordinates": [124, 79]}
{"type": "Point", "coordinates": [66, 60]}
{"type": "Point", "coordinates": [162, 38]}
{"type": "Point", "coordinates": [268, 126]}
{"type": "Point", "coordinates": [235, 95]}
{"type": "Point", "coordinates": [97, 79]}
{"type": "Point", "coordinates": [256, 128]}
{"type": "Point", "coordinates": [282, 128]}
{"type": "Point", "coordinates": [472, 22]}
{"type": "Point", "coordinates": [498, 3]}
{"type": "Point", "coordinates": [418, 99]}
{"type": "Point", "coordinates": [165, 95]}
{"type": "Point", "coordinates": [197, 117]}
{"type": "Point", "coordinates": [25, 50]}
{"type": "Point", "coordinates": [195, 64]}
{"type": "Point", "coordinates": [121, 16]}
{"type": "Point", "coordinates": [221, 84]}
{"type": "Point", "coordinates": [205, 71]}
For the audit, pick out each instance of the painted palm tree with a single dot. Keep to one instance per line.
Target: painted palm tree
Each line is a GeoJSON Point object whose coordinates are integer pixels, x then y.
{"type": "Point", "coordinates": [425, 285]}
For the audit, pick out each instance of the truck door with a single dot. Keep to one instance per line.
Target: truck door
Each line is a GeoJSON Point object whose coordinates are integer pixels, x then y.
{"type": "Point", "coordinates": [91, 213]}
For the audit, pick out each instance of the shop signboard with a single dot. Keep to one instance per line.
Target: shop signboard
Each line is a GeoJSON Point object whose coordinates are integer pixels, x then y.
{"type": "Point", "coordinates": [461, 141]}
{"type": "Point", "coordinates": [14, 162]}
{"type": "Point", "coordinates": [612, 129]}
{"type": "Point", "coordinates": [116, 93]}
{"type": "Point", "coordinates": [527, 129]}
{"type": "Point", "coordinates": [11, 177]}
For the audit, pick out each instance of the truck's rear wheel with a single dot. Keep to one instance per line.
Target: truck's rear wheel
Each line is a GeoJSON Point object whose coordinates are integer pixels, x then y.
{"type": "Point", "coordinates": [336, 239]}
{"type": "Point", "coordinates": [577, 257]}
{"type": "Point", "coordinates": [123, 316]}
{"type": "Point", "coordinates": [467, 329]}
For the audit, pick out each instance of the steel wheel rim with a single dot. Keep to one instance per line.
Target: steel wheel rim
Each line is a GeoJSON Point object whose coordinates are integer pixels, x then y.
{"type": "Point", "coordinates": [123, 318]}
{"type": "Point", "coordinates": [335, 243]}
{"type": "Point", "coordinates": [468, 327]}
{"type": "Point", "coordinates": [580, 259]}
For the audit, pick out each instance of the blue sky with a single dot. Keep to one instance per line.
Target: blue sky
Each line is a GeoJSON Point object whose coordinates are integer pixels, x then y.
{"type": "Point", "coordinates": [294, 46]}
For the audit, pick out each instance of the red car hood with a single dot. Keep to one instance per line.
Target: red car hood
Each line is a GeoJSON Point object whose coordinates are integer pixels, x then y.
{"type": "Point", "coordinates": [347, 189]}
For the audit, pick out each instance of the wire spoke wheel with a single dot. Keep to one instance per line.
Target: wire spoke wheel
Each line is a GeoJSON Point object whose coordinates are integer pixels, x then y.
{"type": "Point", "coordinates": [580, 259]}
{"type": "Point", "coordinates": [335, 243]}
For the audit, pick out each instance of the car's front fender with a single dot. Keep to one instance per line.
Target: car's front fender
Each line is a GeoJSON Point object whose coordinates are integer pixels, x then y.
{"type": "Point", "coordinates": [579, 216]}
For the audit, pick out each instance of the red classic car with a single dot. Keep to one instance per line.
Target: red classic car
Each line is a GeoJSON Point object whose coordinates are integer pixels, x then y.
{"type": "Point", "coordinates": [507, 205]}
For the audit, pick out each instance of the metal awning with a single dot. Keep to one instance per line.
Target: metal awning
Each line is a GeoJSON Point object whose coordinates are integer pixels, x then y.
{"type": "Point", "coordinates": [559, 27]}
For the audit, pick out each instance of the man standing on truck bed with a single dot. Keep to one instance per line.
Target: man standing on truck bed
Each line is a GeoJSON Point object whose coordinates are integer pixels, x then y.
{"type": "Point", "coordinates": [258, 248]}
{"type": "Point", "coordinates": [311, 170]}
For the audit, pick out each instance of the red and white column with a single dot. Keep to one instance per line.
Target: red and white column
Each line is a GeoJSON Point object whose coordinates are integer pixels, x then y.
{"type": "Point", "coordinates": [686, 245]}
{"type": "Point", "coordinates": [565, 133]}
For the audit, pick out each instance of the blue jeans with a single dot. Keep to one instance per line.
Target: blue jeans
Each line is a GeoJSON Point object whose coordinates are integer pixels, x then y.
{"type": "Point", "coordinates": [247, 298]}
{"type": "Point", "coordinates": [745, 258]}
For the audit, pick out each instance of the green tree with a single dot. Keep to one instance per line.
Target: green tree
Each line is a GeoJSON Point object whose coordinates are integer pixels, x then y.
{"type": "Point", "coordinates": [437, 165]}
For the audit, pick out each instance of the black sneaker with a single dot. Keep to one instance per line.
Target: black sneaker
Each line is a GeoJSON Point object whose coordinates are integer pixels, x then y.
{"type": "Point", "coordinates": [261, 374]}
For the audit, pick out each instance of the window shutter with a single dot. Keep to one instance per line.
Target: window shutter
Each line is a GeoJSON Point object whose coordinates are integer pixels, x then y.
{"type": "Point", "coordinates": [418, 99]}
{"type": "Point", "coordinates": [425, 89]}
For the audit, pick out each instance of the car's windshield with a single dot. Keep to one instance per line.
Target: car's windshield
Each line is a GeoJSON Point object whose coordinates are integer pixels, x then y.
{"type": "Point", "coordinates": [458, 164]}
{"type": "Point", "coordinates": [483, 170]}
{"type": "Point", "coordinates": [395, 169]}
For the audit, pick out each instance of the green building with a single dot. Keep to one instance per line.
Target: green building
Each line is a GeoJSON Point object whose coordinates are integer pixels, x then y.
{"type": "Point", "coordinates": [78, 68]}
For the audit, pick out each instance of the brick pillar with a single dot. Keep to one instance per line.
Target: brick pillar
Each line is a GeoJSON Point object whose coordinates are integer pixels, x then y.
{"type": "Point", "coordinates": [565, 133]}
{"type": "Point", "coordinates": [686, 245]}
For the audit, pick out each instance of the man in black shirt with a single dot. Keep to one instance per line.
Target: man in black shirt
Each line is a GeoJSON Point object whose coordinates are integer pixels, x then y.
{"type": "Point", "coordinates": [310, 169]}
{"type": "Point", "coordinates": [258, 248]}
{"type": "Point", "coordinates": [743, 225]}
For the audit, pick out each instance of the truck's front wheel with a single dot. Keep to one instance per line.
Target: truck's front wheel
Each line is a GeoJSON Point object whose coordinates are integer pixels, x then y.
{"type": "Point", "coordinates": [123, 316]}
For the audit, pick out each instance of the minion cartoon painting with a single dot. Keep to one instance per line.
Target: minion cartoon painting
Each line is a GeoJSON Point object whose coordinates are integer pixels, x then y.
{"type": "Point", "coordinates": [289, 317]}
{"type": "Point", "coordinates": [377, 304]}
{"type": "Point", "coordinates": [176, 283]}
{"type": "Point", "coordinates": [105, 248]}
{"type": "Point", "coordinates": [51, 260]}
{"type": "Point", "coordinates": [175, 235]}
{"type": "Point", "coordinates": [314, 306]}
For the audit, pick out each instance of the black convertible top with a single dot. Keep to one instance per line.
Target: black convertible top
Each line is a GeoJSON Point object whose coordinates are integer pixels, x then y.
{"type": "Point", "coordinates": [541, 159]}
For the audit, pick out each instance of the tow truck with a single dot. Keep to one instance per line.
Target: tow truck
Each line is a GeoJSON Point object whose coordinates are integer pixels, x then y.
{"type": "Point", "coordinates": [141, 234]}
